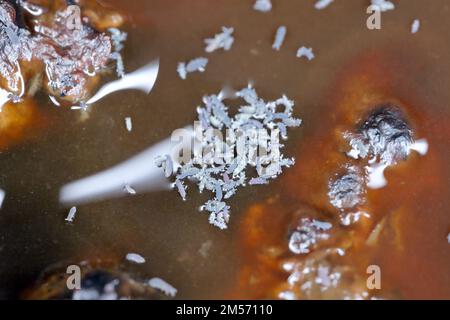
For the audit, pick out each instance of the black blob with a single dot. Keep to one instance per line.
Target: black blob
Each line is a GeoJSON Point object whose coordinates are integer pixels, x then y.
{"type": "Point", "coordinates": [386, 134]}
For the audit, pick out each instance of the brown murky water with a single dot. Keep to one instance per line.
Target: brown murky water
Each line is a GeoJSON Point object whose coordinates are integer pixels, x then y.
{"type": "Point", "coordinates": [170, 232]}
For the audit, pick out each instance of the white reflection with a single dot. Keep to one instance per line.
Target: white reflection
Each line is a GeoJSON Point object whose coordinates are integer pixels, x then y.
{"type": "Point", "coordinates": [4, 98]}
{"type": "Point", "coordinates": [376, 179]}
{"type": "Point", "coordinates": [375, 171]}
{"type": "Point", "coordinates": [142, 79]}
{"type": "Point", "coordinates": [2, 197]}
{"type": "Point", "coordinates": [421, 146]}
{"type": "Point", "coordinates": [139, 173]}
{"type": "Point", "coordinates": [54, 101]}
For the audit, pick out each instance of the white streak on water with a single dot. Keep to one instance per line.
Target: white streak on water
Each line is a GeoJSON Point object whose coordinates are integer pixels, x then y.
{"type": "Point", "coordinates": [142, 79]}
{"type": "Point", "coordinates": [421, 146]}
{"type": "Point", "coordinates": [376, 179]}
{"type": "Point", "coordinates": [139, 171]}
{"type": "Point", "coordinates": [4, 98]}
{"type": "Point", "coordinates": [2, 197]}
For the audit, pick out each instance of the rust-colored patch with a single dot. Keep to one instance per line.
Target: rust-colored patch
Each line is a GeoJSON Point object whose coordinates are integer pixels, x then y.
{"type": "Point", "coordinates": [399, 227]}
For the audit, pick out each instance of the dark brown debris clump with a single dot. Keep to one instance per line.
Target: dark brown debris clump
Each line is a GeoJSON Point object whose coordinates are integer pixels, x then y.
{"type": "Point", "coordinates": [69, 47]}
{"type": "Point", "coordinates": [101, 279]}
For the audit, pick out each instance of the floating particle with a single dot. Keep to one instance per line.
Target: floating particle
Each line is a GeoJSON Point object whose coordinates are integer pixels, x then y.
{"type": "Point", "coordinates": [322, 225]}
{"type": "Point", "coordinates": [279, 38]}
{"type": "Point", "coordinates": [71, 215]}
{"type": "Point", "coordinates": [120, 67]}
{"type": "Point", "coordinates": [135, 258]}
{"type": "Point", "coordinates": [166, 163]}
{"type": "Point", "coordinates": [129, 189]}
{"type": "Point", "coordinates": [263, 5]}
{"type": "Point", "coordinates": [181, 189]}
{"type": "Point", "coordinates": [223, 40]}
{"type": "Point", "coordinates": [118, 38]}
{"type": "Point", "coordinates": [322, 4]}
{"type": "Point", "coordinates": [168, 170]}
{"type": "Point", "coordinates": [129, 124]}
{"type": "Point", "coordinates": [219, 192]}
{"type": "Point", "coordinates": [448, 238]}
{"type": "Point", "coordinates": [163, 286]}
{"type": "Point", "coordinates": [383, 5]}
{"type": "Point", "coordinates": [258, 181]}
{"type": "Point", "coordinates": [197, 64]}
{"type": "Point", "coordinates": [305, 52]}
{"type": "Point", "coordinates": [415, 26]}
{"type": "Point", "coordinates": [219, 219]}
